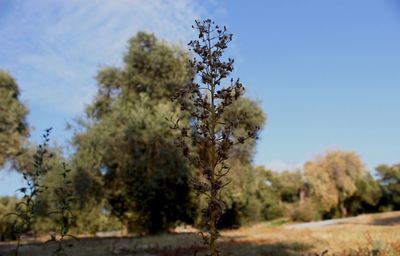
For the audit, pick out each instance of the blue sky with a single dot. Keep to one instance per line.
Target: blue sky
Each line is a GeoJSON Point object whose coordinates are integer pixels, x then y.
{"type": "Point", "coordinates": [325, 71]}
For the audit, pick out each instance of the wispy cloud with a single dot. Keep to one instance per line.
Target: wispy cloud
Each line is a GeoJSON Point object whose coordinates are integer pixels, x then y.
{"type": "Point", "coordinates": [54, 48]}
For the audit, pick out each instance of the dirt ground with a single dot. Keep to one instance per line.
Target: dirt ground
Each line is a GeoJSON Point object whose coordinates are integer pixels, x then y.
{"type": "Point", "coordinates": [377, 234]}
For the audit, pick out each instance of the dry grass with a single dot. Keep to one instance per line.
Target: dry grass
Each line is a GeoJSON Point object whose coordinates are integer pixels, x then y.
{"type": "Point", "coordinates": [364, 235]}
{"type": "Point", "coordinates": [368, 231]}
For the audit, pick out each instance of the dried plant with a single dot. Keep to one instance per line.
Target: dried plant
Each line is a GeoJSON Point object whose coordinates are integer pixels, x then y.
{"type": "Point", "coordinates": [209, 137]}
{"type": "Point", "coordinates": [25, 209]}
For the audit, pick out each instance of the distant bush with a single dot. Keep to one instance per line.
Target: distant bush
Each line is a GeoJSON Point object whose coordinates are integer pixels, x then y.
{"type": "Point", "coordinates": [306, 211]}
{"type": "Point", "coordinates": [276, 211]}
{"type": "Point", "coordinates": [95, 220]}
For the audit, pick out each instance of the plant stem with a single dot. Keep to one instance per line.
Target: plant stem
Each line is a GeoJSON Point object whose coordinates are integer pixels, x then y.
{"type": "Point", "coordinates": [18, 244]}
{"type": "Point", "coordinates": [213, 217]}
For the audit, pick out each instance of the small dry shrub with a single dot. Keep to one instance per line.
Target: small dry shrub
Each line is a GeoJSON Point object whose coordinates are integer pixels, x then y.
{"type": "Point", "coordinates": [373, 247]}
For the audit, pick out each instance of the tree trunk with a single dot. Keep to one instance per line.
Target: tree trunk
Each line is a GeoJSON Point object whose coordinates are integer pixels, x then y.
{"type": "Point", "coordinates": [302, 196]}
{"type": "Point", "coordinates": [125, 230]}
{"type": "Point", "coordinates": [343, 210]}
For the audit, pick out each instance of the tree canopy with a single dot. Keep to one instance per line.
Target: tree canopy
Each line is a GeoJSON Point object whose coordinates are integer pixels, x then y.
{"type": "Point", "coordinates": [334, 178]}
{"type": "Point", "coordinates": [389, 178]}
{"type": "Point", "coordinates": [125, 149]}
{"type": "Point", "coordinates": [13, 126]}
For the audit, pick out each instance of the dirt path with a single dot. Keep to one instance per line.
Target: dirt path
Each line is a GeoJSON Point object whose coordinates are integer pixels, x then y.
{"type": "Point", "coordinates": [390, 218]}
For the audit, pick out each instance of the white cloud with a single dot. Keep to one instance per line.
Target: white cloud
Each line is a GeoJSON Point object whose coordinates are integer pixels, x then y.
{"type": "Point", "coordinates": [280, 166]}
{"type": "Point", "coordinates": [54, 48]}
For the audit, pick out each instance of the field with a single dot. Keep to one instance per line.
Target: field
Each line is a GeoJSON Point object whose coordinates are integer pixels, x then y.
{"type": "Point", "coordinates": [363, 235]}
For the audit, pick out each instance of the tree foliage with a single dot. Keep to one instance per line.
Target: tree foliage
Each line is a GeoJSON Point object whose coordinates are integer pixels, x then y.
{"type": "Point", "coordinates": [243, 204]}
{"type": "Point", "coordinates": [389, 179]}
{"type": "Point", "coordinates": [284, 194]}
{"type": "Point", "coordinates": [13, 125]}
{"type": "Point", "coordinates": [243, 199]}
{"type": "Point", "coordinates": [334, 178]}
{"type": "Point", "coordinates": [126, 150]}
{"type": "Point", "coordinates": [152, 68]}
{"type": "Point", "coordinates": [290, 185]}
{"type": "Point", "coordinates": [268, 193]}
{"type": "Point", "coordinates": [367, 197]}
{"type": "Point", "coordinates": [7, 205]}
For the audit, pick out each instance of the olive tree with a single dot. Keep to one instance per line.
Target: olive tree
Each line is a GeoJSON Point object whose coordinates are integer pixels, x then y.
{"type": "Point", "coordinates": [13, 125]}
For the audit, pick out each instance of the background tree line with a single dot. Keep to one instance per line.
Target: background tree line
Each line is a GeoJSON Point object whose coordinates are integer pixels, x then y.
{"type": "Point", "coordinates": [127, 172]}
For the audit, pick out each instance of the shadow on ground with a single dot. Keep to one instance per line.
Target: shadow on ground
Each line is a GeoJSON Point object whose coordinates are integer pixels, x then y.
{"type": "Point", "coordinates": [266, 249]}
{"type": "Point", "coordinates": [386, 221]}
{"type": "Point", "coordinates": [179, 244]}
